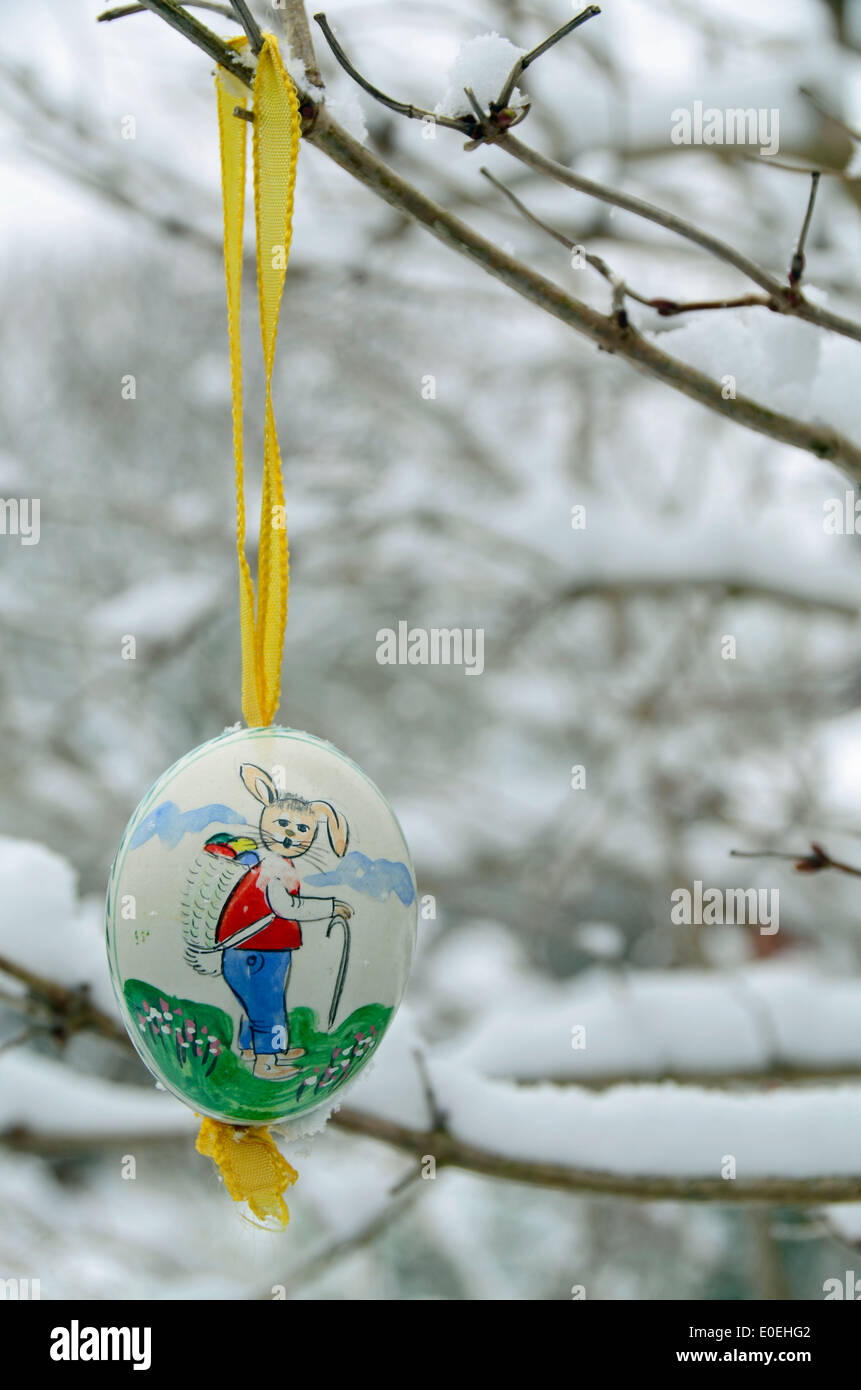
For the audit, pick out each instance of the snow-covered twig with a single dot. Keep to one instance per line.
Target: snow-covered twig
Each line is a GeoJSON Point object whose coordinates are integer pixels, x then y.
{"type": "Point", "coordinates": [244, 17]}
{"type": "Point", "coordinates": [401, 108]}
{"type": "Point", "coordinates": [604, 330]}
{"type": "Point", "coordinates": [527, 59]}
{"type": "Point", "coordinates": [451, 1151]}
{"type": "Point", "coordinates": [493, 127]}
{"type": "Point", "coordinates": [322, 131]}
{"type": "Point", "coordinates": [641, 1140]}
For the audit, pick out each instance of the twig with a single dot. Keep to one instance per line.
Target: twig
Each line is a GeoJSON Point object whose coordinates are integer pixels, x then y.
{"type": "Point", "coordinates": [486, 128]}
{"type": "Point", "coordinates": [452, 1152]}
{"type": "Point", "coordinates": [72, 1009]}
{"type": "Point", "coordinates": [122, 11]}
{"type": "Point", "coordinates": [297, 31]}
{"type": "Point", "coordinates": [796, 268]}
{"type": "Point", "coordinates": [436, 1115]}
{"type": "Point", "coordinates": [528, 58]}
{"type": "Point", "coordinates": [191, 28]}
{"type": "Point", "coordinates": [829, 115]}
{"type": "Point", "coordinates": [358, 161]}
{"type": "Point", "coordinates": [481, 129]}
{"type": "Point", "coordinates": [808, 169]}
{"type": "Point", "coordinates": [448, 1150]}
{"type": "Point", "coordinates": [665, 307]}
{"type": "Point", "coordinates": [418, 113]}
{"type": "Point", "coordinates": [325, 134]}
{"type": "Point", "coordinates": [784, 299]}
{"type": "Point", "coordinates": [323, 1260]}
{"type": "Point", "coordinates": [249, 24]}
{"type": "Point", "coordinates": [811, 863]}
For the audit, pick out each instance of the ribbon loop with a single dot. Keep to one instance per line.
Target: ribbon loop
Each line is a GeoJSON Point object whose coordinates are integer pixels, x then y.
{"type": "Point", "coordinates": [275, 150]}
{"type": "Point", "coordinates": [248, 1159]}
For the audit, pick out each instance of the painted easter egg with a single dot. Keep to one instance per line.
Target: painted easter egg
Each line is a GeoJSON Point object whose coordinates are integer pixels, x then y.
{"type": "Point", "coordinates": [261, 919]}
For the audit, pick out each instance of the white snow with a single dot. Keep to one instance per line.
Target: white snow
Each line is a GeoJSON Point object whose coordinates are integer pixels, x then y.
{"type": "Point", "coordinates": [781, 362]}
{"type": "Point", "coordinates": [42, 927]}
{"type": "Point", "coordinates": [348, 112]}
{"type": "Point", "coordinates": [159, 609]}
{"type": "Point", "coordinates": [679, 1022]}
{"type": "Point", "coordinates": [48, 1099]}
{"type": "Point", "coordinates": [664, 1129]}
{"type": "Point", "coordinates": [483, 64]}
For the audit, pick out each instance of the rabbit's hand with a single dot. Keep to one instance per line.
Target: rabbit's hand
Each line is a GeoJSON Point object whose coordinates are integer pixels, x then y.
{"type": "Point", "coordinates": [342, 910]}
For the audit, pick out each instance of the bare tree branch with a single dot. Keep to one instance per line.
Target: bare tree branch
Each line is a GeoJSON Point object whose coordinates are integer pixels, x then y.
{"type": "Point", "coordinates": [528, 58]}
{"type": "Point", "coordinates": [402, 108]}
{"type": "Point", "coordinates": [249, 24]}
{"type": "Point", "coordinates": [74, 1012]}
{"type": "Point", "coordinates": [796, 269]}
{"type": "Point", "coordinates": [607, 331]}
{"type": "Point", "coordinates": [452, 1152]}
{"type": "Point", "coordinates": [811, 863]}
{"type": "Point", "coordinates": [297, 31]}
{"type": "Point", "coordinates": [191, 28]}
{"type": "Point", "coordinates": [140, 8]}
{"type": "Point", "coordinates": [71, 1009]}
{"type": "Point", "coordinates": [602, 329]}
{"type": "Point", "coordinates": [784, 299]}
{"type": "Point", "coordinates": [488, 127]}
{"type": "Point", "coordinates": [663, 306]}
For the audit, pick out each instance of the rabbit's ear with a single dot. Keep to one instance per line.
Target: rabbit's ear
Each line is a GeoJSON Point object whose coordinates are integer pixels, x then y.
{"type": "Point", "coordinates": [336, 825]}
{"type": "Point", "coordinates": [259, 783]}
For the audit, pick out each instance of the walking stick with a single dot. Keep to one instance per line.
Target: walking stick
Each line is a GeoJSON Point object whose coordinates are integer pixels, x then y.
{"type": "Point", "coordinates": [342, 968]}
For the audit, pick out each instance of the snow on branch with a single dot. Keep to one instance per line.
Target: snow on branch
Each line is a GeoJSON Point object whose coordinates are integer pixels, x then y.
{"type": "Point", "coordinates": [647, 1140]}
{"type": "Point", "coordinates": [612, 332]}
{"type": "Point", "coordinates": [765, 1022]}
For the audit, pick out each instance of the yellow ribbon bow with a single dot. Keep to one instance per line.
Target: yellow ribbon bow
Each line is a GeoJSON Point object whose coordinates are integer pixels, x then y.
{"type": "Point", "coordinates": [254, 1171]}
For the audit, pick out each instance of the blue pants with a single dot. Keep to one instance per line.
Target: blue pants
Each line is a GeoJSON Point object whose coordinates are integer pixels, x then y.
{"type": "Point", "coordinates": [259, 981]}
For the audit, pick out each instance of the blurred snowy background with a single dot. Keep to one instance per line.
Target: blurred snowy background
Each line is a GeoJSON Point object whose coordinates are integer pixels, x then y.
{"type": "Point", "coordinates": [603, 649]}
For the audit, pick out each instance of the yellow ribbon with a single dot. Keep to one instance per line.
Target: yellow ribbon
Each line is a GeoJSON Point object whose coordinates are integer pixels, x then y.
{"type": "Point", "coordinates": [254, 1171]}
{"type": "Point", "coordinates": [275, 150]}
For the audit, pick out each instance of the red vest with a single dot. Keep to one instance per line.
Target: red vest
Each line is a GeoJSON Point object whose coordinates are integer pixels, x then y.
{"type": "Point", "coordinates": [246, 904]}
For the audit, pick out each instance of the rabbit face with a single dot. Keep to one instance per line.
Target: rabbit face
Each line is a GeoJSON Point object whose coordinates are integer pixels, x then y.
{"type": "Point", "coordinates": [289, 824]}
{"type": "Point", "coordinates": [288, 827]}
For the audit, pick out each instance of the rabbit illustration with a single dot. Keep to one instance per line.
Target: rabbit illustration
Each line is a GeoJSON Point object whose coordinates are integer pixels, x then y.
{"type": "Point", "coordinates": [259, 927]}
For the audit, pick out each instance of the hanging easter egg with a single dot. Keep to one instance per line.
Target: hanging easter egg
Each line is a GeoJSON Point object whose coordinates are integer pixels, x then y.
{"type": "Point", "coordinates": [261, 919]}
